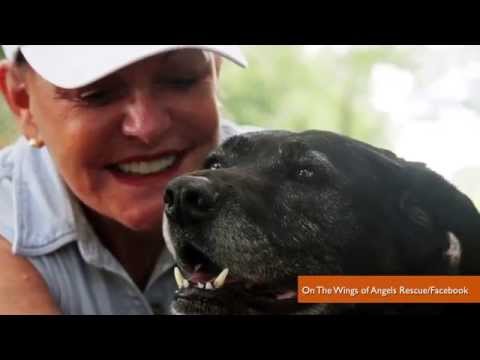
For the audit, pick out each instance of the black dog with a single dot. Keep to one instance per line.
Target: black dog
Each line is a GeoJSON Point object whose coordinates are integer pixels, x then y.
{"type": "Point", "coordinates": [270, 206]}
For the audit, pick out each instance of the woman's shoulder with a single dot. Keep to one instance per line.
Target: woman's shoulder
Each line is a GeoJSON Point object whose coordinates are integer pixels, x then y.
{"type": "Point", "coordinates": [7, 157]}
{"type": "Point", "coordinates": [8, 161]}
{"type": "Point", "coordinates": [36, 213]}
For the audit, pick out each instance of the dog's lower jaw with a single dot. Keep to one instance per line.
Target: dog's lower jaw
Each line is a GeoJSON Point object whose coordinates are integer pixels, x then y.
{"type": "Point", "coordinates": [314, 309]}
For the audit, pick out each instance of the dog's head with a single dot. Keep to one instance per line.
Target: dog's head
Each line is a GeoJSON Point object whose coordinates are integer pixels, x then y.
{"type": "Point", "coordinates": [270, 206]}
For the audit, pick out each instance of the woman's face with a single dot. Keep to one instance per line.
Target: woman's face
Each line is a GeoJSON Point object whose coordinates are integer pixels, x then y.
{"type": "Point", "coordinates": [118, 142]}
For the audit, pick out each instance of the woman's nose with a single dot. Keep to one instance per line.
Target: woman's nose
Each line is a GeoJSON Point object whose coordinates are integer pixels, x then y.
{"type": "Point", "coordinates": [147, 119]}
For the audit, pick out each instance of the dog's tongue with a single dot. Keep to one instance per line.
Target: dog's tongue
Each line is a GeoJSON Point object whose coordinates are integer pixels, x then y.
{"type": "Point", "coordinates": [201, 277]}
{"type": "Point", "coordinates": [287, 295]}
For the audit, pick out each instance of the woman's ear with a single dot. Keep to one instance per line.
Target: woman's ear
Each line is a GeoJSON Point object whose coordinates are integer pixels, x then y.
{"type": "Point", "coordinates": [13, 85]}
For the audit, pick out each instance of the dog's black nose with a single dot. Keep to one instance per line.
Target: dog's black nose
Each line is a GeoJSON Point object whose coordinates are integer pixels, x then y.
{"type": "Point", "coordinates": [189, 199]}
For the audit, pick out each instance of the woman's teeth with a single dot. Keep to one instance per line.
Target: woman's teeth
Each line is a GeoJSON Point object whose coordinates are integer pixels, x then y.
{"type": "Point", "coordinates": [147, 167]}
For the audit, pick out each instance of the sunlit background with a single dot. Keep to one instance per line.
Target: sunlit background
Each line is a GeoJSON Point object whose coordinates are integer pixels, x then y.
{"type": "Point", "coordinates": [422, 102]}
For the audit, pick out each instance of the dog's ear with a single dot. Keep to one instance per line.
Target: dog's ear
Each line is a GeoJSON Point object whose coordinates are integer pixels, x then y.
{"type": "Point", "coordinates": [449, 209]}
{"type": "Point", "coordinates": [431, 205]}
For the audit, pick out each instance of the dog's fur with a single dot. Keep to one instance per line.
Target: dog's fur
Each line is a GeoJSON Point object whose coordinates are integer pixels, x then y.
{"type": "Point", "coordinates": [272, 205]}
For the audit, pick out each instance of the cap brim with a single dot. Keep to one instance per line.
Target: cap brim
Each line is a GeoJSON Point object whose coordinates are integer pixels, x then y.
{"type": "Point", "coordinates": [74, 66]}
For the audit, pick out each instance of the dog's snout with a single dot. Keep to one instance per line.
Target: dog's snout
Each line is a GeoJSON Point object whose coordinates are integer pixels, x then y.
{"type": "Point", "coordinates": [190, 199]}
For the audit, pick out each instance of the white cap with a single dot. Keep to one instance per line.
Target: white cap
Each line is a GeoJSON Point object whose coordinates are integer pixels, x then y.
{"type": "Point", "coordinates": [73, 66]}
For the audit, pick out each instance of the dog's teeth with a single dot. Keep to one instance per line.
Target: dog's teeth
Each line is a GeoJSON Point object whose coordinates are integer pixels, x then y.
{"type": "Point", "coordinates": [178, 277]}
{"type": "Point", "coordinates": [209, 286]}
{"type": "Point", "coordinates": [220, 280]}
{"type": "Point", "coordinates": [200, 286]}
{"type": "Point", "coordinates": [185, 284]}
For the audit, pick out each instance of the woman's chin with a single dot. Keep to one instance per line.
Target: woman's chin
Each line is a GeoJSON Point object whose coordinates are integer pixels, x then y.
{"type": "Point", "coordinates": [144, 221]}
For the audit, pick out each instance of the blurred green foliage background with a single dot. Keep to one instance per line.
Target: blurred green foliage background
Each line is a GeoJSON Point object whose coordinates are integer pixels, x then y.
{"type": "Point", "coordinates": [289, 88]}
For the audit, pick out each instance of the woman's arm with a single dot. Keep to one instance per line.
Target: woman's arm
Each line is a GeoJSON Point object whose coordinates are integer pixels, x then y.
{"type": "Point", "coordinates": [22, 290]}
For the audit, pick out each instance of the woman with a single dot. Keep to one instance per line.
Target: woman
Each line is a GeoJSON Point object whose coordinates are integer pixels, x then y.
{"type": "Point", "coordinates": [81, 194]}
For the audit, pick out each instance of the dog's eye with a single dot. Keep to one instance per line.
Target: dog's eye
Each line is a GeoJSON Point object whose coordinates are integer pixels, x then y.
{"type": "Point", "coordinates": [213, 162]}
{"type": "Point", "coordinates": [215, 166]}
{"type": "Point", "coordinates": [305, 173]}
{"type": "Point", "coordinates": [311, 166]}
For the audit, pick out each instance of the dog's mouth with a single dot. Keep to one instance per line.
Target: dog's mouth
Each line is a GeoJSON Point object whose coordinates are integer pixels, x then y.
{"type": "Point", "coordinates": [207, 287]}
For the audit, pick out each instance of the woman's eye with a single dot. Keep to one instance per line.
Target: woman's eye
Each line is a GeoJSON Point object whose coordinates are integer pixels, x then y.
{"type": "Point", "coordinates": [97, 97]}
{"type": "Point", "coordinates": [184, 82]}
